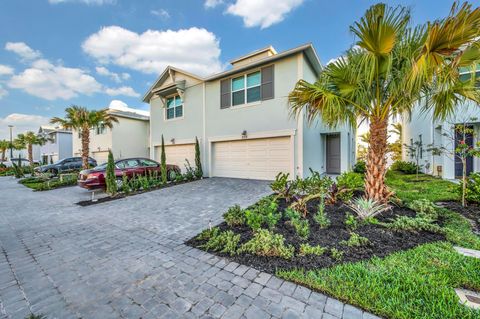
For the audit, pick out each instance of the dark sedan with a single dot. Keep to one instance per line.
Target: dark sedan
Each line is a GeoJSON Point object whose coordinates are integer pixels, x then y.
{"type": "Point", "coordinates": [95, 177]}
{"type": "Point", "coordinates": [65, 165]}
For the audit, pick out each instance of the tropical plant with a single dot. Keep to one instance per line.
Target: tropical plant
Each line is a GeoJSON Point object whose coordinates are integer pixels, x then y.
{"type": "Point", "coordinates": [198, 161]}
{"type": "Point", "coordinates": [395, 148]}
{"type": "Point", "coordinates": [235, 216]}
{"type": "Point", "coordinates": [350, 221]}
{"type": "Point", "coordinates": [27, 140]}
{"type": "Point", "coordinates": [355, 240]}
{"type": "Point", "coordinates": [321, 217]}
{"type": "Point", "coordinates": [266, 243]}
{"type": "Point", "coordinates": [82, 120]}
{"type": "Point", "coordinates": [366, 208]}
{"type": "Point", "coordinates": [111, 179]}
{"type": "Point", "coordinates": [405, 167]}
{"type": "Point", "coordinates": [391, 68]}
{"type": "Point", "coordinates": [306, 249]}
{"type": "Point", "coordinates": [415, 150]}
{"type": "Point", "coordinates": [4, 145]}
{"type": "Point", "coordinates": [360, 167]}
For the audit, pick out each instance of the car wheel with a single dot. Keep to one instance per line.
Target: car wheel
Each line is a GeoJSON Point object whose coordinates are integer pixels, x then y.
{"type": "Point", "coordinates": [53, 171]}
{"type": "Point", "coordinates": [171, 175]}
{"type": "Point", "coordinates": [119, 182]}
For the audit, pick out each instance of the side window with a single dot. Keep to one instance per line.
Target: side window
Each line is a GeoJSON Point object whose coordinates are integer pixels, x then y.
{"type": "Point", "coordinates": [128, 164]}
{"type": "Point", "coordinates": [148, 163]}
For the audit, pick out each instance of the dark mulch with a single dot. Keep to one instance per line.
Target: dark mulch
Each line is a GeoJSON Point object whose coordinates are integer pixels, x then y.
{"type": "Point", "coordinates": [383, 241]}
{"type": "Point", "coordinates": [471, 212]}
{"type": "Point", "coordinates": [100, 200]}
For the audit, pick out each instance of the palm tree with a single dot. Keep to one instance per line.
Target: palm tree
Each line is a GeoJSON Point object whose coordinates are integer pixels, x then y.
{"type": "Point", "coordinates": [4, 145]}
{"type": "Point", "coordinates": [27, 140]}
{"type": "Point", "coordinates": [82, 120]}
{"type": "Point", "coordinates": [390, 69]}
{"type": "Point", "coordinates": [395, 148]}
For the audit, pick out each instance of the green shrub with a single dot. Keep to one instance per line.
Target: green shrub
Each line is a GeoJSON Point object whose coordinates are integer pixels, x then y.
{"type": "Point", "coordinates": [266, 243]}
{"type": "Point", "coordinates": [360, 167]}
{"type": "Point", "coordinates": [282, 186]}
{"type": "Point", "coordinates": [350, 180]}
{"type": "Point", "coordinates": [336, 254]}
{"type": "Point", "coordinates": [321, 217]}
{"type": "Point", "coordinates": [208, 233]}
{"type": "Point", "coordinates": [424, 208]}
{"type": "Point", "coordinates": [413, 224]}
{"type": "Point", "coordinates": [125, 185]}
{"type": "Point", "coordinates": [404, 167]}
{"type": "Point", "coordinates": [110, 178]}
{"type": "Point", "coordinates": [253, 219]}
{"type": "Point", "coordinates": [302, 228]}
{"type": "Point", "coordinates": [291, 214]}
{"type": "Point", "coordinates": [235, 216]}
{"type": "Point", "coordinates": [225, 242]}
{"type": "Point", "coordinates": [355, 240]}
{"type": "Point", "coordinates": [306, 249]}
{"type": "Point", "coordinates": [367, 207]}
{"type": "Point", "coordinates": [198, 162]}
{"type": "Point", "coordinates": [264, 212]}
{"type": "Point", "coordinates": [350, 221]}
{"type": "Point", "coordinates": [472, 192]}
{"type": "Point", "coordinates": [163, 163]}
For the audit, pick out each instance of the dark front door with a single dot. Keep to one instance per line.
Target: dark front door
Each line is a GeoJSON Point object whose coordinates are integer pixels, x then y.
{"type": "Point", "coordinates": [333, 154]}
{"type": "Point", "coordinates": [458, 160]}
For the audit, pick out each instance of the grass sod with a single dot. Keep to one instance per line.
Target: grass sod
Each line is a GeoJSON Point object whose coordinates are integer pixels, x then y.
{"type": "Point", "coordinates": [416, 283]}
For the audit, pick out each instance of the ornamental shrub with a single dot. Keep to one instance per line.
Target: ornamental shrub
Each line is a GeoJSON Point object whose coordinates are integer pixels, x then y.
{"type": "Point", "coordinates": [235, 216]}
{"type": "Point", "coordinates": [472, 193]}
{"type": "Point", "coordinates": [198, 162]}
{"type": "Point", "coordinates": [110, 178]}
{"type": "Point", "coordinates": [360, 167]}
{"type": "Point", "coordinates": [266, 243]}
{"type": "Point", "coordinates": [163, 163]}
{"type": "Point", "coordinates": [404, 167]}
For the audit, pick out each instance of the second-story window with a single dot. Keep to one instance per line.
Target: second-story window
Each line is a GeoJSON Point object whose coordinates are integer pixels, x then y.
{"type": "Point", "coordinates": [174, 107]}
{"type": "Point", "coordinates": [246, 88]}
{"type": "Point", "coordinates": [101, 129]}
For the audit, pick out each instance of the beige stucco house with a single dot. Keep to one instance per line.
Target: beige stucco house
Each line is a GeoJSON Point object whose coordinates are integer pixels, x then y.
{"type": "Point", "coordinates": [128, 138]}
{"type": "Point", "coordinates": [242, 120]}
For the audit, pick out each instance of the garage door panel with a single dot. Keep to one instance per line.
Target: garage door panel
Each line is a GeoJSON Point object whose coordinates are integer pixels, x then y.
{"type": "Point", "coordinates": [256, 158]}
{"type": "Point", "coordinates": [176, 155]}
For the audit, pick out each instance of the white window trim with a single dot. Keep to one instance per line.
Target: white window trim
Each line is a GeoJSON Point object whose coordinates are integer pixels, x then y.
{"type": "Point", "coordinates": [174, 96]}
{"type": "Point", "coordinates": [245, 89]}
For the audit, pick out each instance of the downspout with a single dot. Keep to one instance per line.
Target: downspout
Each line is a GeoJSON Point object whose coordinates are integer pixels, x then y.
{"type": "Point", "coordinates": [204, 131]}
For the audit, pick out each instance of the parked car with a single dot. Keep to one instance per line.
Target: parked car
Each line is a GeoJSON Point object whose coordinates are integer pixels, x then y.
{"type": "Point", "coordinates": [95, 178]}
{"type": "Point", "coordinates": [23, 162]}
{"type": "Point", "coordinates": [66, 164]}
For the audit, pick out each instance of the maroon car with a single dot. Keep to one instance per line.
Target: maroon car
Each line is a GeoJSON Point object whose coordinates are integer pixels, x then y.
{"type": "Point", "coordinates": [95, 177]}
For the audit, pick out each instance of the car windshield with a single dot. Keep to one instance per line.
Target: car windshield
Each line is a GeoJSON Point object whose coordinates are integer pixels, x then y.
{"type": "Point", "coordinates": [101, 166]}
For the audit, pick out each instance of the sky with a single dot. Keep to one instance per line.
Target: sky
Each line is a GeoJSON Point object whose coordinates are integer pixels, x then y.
{"type": "Point", "coordinates": [57, 53]}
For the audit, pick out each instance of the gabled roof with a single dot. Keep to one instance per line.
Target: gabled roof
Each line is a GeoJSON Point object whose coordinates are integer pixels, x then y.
{"type": "Point", "coordinates": [128, 114]}
{"type": "Point", "coordinates": [47, 129]}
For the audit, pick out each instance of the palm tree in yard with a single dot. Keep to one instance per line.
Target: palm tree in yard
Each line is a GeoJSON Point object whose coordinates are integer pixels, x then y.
{"type": "Point", "coordinates": [4, 145]}
{"type": "Point", "coordinates": [391, 68]}
{"type": "Point", "coordinates": [82, 120]}
{"type": "Point", "coordinates": [28, 140]}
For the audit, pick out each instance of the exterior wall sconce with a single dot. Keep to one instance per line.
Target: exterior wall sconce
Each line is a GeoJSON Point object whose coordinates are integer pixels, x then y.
{"type": "Point", "coordinates": [244, 134]}
{"type": "Point", "coordinates": [172, 141]}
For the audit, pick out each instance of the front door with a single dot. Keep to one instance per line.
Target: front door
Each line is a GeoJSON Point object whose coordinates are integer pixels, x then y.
{"type": "Point", "coordinates": [458, 160]}
{"type": "Point", "coordinates": [333, 154]}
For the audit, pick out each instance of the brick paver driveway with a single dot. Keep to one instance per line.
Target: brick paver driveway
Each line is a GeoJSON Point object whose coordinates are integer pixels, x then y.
{"type": "Point", "coordinates": [126, 259]}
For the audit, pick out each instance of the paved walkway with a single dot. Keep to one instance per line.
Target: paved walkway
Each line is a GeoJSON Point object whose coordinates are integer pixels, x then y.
{"type": "Point", "coordinates": [126, 259]}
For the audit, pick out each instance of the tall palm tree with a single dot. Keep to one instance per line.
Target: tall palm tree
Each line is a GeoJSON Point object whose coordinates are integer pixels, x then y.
{"type": "Point", "coordinates": [82, 120]}
{"type": "Point", "coordinates": [27, 140]}
{"type": "Point", "coordinates": [392, 68]}
{"type": "Point", "coordinates": [4, 145]}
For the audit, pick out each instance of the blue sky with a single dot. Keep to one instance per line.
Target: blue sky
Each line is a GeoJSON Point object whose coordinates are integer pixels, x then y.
{"type": "Point", "coordinates": [54, 53]}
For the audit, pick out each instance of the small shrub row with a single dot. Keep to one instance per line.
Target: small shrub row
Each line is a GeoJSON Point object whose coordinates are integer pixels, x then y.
{"type": "Point", "coordinates": [404, 167]}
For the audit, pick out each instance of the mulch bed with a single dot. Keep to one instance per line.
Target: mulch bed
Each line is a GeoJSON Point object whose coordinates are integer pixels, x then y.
{"type": "Point", "coordinates": [382, 241]}
{"type": "Point", "coordinates": [471, 212]}
{"type": "Point", "coordinates": [100, 200]}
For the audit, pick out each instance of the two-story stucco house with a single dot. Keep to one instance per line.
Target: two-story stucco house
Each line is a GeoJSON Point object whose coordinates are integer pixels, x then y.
{"type": "Point", "coordinates": [242, 120]}
{"type": "Point", "coordinates": [127, 138]}
{"type": "Point", "coordinates": [57, 146]}
{"type": "Point", "coordinates": [422, 128]}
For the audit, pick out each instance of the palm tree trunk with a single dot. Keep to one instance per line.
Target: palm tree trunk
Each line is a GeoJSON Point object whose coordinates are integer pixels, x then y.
{"type": "Point", "coordinates": [4, 151]}
{"type": "Point", "coordinates": [85, 146]}
{"type": "Point", "coordinates": [375, 187]}
{"type": "Point", "coordinates": [30, 154]}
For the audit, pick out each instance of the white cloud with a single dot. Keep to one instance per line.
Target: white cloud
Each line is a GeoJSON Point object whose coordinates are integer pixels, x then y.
{"type": "Point", "coordinates": [122, 106]}
{"type": "Point", "coordinates": [3, 92]}
{"type": "Point", "coordinates": [196, 50]}
{"type": "Point", "coordinates": [162, 13]}
{"type": "Point", "coordinates": [124, 90]}
{"type": "Point", "coordinates": [51, 82]}
{"type": "Point", "coordinates": [89, 2]}
{"type": "Point", "coordinates": [5, 70]}
{"type": "Point", "coordinates": [23, 50]}
{"type": "Point", "coordinates": [114, 76]}
{"type": "Point", "coordinates": [21, 123]}
{"type": "Point", "coordinates": [212, 3]}
{"type": "Point", "coordinates": [262, 13]}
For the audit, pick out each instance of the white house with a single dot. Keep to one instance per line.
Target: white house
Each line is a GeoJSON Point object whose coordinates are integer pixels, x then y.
{"type": "Point", "coordinates": [242, 119]}
{"type": "Point", "coordinates": [58, 145]}
{"type": "Point", "coordinates": [128, 138]}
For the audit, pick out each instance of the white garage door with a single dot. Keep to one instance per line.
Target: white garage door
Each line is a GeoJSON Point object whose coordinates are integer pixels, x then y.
{"type": "Point", "coordinates": [254, 159]}
{"type": "Point", "coordinates": [176, 155]}
{"type": "Point", "coordinates": [100, 157]}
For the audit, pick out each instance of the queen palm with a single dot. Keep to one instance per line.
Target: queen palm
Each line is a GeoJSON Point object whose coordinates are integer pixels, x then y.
{"type": "Point", "coordinates": [392, 68]}
{"type": "Point", "coordinates": [82, 120]}
{"type": "Point", "coordinates": [4, 145]}
{"type": "Point", "coordinates": [28, 140]}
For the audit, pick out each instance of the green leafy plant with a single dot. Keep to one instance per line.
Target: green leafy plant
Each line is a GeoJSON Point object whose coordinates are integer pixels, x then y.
{"type": "Point", "coordinates": [291, 214]}
{"type": "Point", "coordinates": [266, 243]}
{"type": "Point", "coordinates": [321, 217]}
{"type": "Point", "coordinates": [350, 221]}
{"type": "Point", "coordinates": [360, 167]}
{"type": "Point", "coordinates": [424, 208]}
{"type": "Point", "coordinates": [208, 233]}
{"type": "Point", "coordinates": [302, 227]}
{"type": "Point", "coordinates": [355, 240]}
{"type": "Point", "coordinates": [405, 167]}
{"type": "Point", "coordinates": [306, 249]}
{"type": "Point", "coordinates": [336, 254]}
{"type": "Point", "coordinates": [111, 179]}
{"type": "Point", "coordinates": [253, 219]}
{"type": "Point", "coordinates": [365, 208]}
{"type": "Point", "coordinates": [198, 161]}
{"type": "Point", "coordinates": [413, 224]}
{"type": "Point", "coordinates": [125, 184]}
{"type": "Point", "coordinates": [189, 171]}
{"type": "Point", "coordinates": [282, 186]}
{"type": "Point", "coordinates": [472, 188]}
{"type": "Point", "coordinates": [225, 242]}
{"type": "Point", "coordinates": [163, 163]}
{"type": "Point", "coordinates": [235, 216]}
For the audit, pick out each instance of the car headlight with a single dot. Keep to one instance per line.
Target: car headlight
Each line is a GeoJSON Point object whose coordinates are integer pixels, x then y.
{"type": "Point", "coordinates": [92, 176]}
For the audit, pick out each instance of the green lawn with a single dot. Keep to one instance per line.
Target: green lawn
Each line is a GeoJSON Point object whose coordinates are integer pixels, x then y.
{"type": "Point", "coordinates": [417, 283]}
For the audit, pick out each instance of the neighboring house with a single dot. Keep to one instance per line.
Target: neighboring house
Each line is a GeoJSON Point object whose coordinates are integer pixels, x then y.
{"type": "Point", "coordinates": [422, 128]}
{"type": "Point", "coordinates": [242, 120]}
{"type": "Point", "coordinates": [58, 145]}
{"type": "Point", "coordinates": [128, 138]}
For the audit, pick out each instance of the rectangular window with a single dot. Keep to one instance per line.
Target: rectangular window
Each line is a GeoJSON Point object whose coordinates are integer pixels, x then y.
{"type": "Point", "coordinates": [246, 88]}
{"type": "Point", "coordinates": [101, 129]}
{"type": "Point", "coordinates": [174, 107]}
